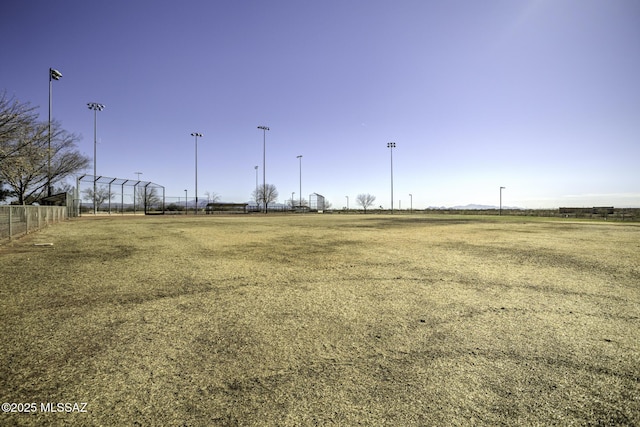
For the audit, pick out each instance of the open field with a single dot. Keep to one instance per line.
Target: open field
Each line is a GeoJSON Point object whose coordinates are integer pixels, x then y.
{"type": "Point", "coordinates": [323, 320]}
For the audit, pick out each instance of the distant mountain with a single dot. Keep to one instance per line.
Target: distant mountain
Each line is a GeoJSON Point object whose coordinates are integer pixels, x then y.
{"type": "Point", "coordinates": [473, 206]}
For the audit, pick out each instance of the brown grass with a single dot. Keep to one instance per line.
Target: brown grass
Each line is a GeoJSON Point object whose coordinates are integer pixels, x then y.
{"type": "Point", "coordinates": [323, 320]}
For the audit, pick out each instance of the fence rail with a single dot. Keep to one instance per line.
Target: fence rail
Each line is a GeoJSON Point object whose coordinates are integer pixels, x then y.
{"type": "Point", "coordinates": [18, 220]}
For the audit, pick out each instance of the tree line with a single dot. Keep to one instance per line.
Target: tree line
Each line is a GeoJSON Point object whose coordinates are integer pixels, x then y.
{"type": "Point", "coordinates": [29, 164]}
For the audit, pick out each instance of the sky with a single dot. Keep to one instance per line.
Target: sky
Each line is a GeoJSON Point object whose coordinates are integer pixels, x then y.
{"type": "Point", "coordinates": [541, 97]}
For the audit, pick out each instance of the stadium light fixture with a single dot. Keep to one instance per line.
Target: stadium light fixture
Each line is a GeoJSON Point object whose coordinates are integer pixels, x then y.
{"type": "Point", "coordinates": [53, 75]}
{"type": "Point", "coordinates": [264, 165]}
{"type": "Point", "coordinates": [95, 107]}
{"type": "Point", "coordinates": [196, 135]}
{"type": "Point", "coordinates": [391, 146]}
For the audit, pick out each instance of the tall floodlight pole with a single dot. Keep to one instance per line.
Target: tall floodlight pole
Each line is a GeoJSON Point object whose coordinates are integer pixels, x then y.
{"type": "Point", "coordinates": [196, 135]}
{"type": "Point", "coordinates": [501, 188]}
{"type": "Point", "coordinates": [53, 75]}
{"type": "Point", "coordinates": [347, 202]}
{"type": "Point", "coordinates": [410, 202]}
{"type": "Point", "coordinates": [391, 145]}
{"type": "Point", "coordinates": [264, 165]}
{"type": "Point", "coordinates": [95, 107]}
{"type": "Point", "coordinates": [300, 194]}
{"type": "Point", "coordinates": [256, 168]}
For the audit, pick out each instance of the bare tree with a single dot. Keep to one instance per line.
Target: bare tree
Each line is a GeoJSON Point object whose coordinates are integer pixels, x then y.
{"type": "Point", "coordinates": [212, 197]}
{"type": "Point", "coordinates": [365, 200]}
{"type": "Point", "coordinates": [25, 171]}
{"type": "Point", "coordinates": [297, 203]}
{"type": "Point", "coordinates": [64, 187]}
{"type": "Point", "coordinates": [102, 195]}
{"type": "Point", "coordinates": [147, 197]}
{"type": "Point", "coordinates": [15, 117]}
{"type": "Point", "coordinates": [153, 198]}
{"type": "Point", "coordinates": [265, 194]}
{"type": "Point", "coordinates": [4, 193]}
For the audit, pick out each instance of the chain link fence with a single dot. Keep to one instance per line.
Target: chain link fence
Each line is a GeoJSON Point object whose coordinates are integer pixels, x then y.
{"type": "Point", "coordinates": [106, 195]}
{"type": "Point", "coordinates": [19, 220]}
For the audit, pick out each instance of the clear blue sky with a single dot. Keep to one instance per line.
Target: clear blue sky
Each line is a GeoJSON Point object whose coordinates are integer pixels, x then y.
{"type": "Point", "coordinates": [541, 97]}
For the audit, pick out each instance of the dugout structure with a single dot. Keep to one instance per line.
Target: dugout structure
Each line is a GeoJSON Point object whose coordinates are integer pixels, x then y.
{"type": "Point", "coordinates": [316, 202]}
{"type": "Point", "coordinates": [598, 211]}
{"type": "Point", "coordinates": [217, 207]}
{"type": "Point", "coordinates": [118, 195]}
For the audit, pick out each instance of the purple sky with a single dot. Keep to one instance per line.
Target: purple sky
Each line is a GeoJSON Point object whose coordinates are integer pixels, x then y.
{"type": "Point", "coordinates": [541, 97]}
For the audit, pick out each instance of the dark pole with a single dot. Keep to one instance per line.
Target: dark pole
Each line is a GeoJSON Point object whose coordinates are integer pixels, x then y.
{"type": "Point", "coordinates": [196, 135]}
{"type": "Point", "coordinates": [300, 194]}
{"type": "Point", "coordinates": [256, 168]}
{"type": "Point", "coordinates": [264, 165]}
{"type": "Point", "coordinates": [95, 107]}
{"type": "Point", "coordinates": [53, 75]}
{"type": "Point", "coordinates": [134, 191]}
{"type": "Point", "coordinates": [391, 145]}
{"type": "Point", "coordinates": [95, 161]}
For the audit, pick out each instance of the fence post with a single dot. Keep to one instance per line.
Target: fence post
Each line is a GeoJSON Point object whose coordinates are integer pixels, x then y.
{"type": "Point", "coordinates": [10, 222]}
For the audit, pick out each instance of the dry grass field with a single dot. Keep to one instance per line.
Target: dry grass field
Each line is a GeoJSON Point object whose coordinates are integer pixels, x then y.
{"type": "Point", "coordinates": [309, 320]}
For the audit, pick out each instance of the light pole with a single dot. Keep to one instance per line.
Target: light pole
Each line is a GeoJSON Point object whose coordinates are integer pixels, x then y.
{"type": "Point", "coordinates": [95, 107]}
{"type": "Point", "coordinates": [186, 202]}
{"type": "Point", "coordinates": [411, 202]}
{"type": "Point", "coordinates": [391, 145]}
{"type": "Point", "coordinates": [257, 202]}
{"type": "Point", "coordinates": [196, 135]}
{"type": "Point", "coordinates": [347, 202]}
{"type": "Point", "coordinates": [292, 203]}
{"type": "Point", "coordinates": [264, 165]}
{"type": "Point", "coordinates": [53, 75]}
{"type": "Point", "coordinates": [300, 194]}
{"type": "Point", "coordinates": [501, 188]}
